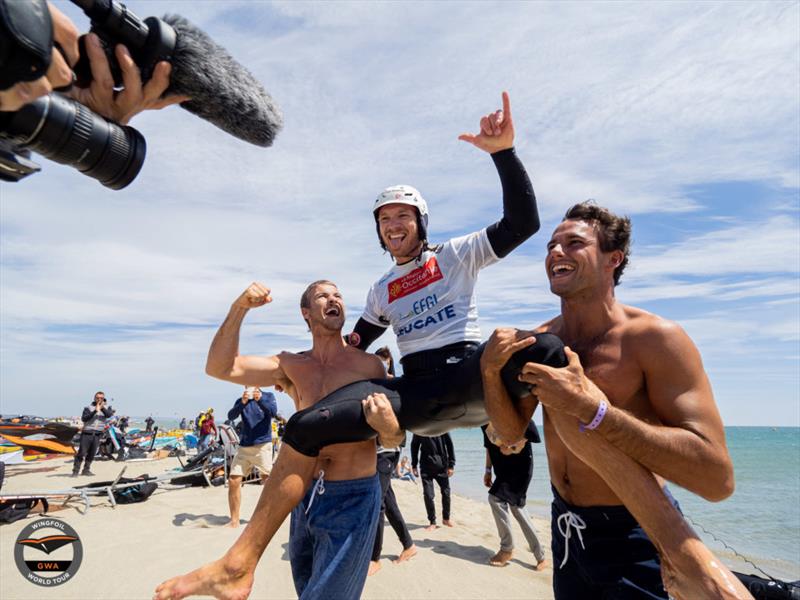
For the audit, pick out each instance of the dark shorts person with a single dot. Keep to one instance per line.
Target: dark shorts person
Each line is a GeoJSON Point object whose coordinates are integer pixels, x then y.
{"type": "Point", "coordinates": [601, 552]}
{"type": "Point", "coordinates": [440, 390]}
{"type": "Point", "coordinates": [331, 537]}
{"type": "Point", "coordinates": [386, 464]}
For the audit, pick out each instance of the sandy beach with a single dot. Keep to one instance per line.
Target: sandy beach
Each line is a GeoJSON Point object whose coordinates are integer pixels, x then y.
{"type": "Point", "coordinates": [129, 549]}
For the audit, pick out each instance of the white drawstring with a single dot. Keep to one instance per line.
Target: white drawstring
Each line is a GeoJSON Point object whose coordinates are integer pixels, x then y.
{"type": "Point", "coordinates": [319, 488]}
{"type": "Point", "coordinates": [566, 521]}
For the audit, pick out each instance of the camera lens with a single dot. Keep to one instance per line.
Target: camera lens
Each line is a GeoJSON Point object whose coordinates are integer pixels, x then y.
{"type": "Point", "coordinates": [69, 133]}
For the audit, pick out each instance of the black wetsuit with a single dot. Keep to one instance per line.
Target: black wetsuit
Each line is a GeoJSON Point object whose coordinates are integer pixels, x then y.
{"type": "Point", "coordinates": [441, 389]}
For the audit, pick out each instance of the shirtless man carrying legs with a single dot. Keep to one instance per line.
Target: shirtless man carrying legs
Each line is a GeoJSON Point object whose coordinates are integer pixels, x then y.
{"type": "Point", "coordinates": [632, 408]}
{"type": "Point", "coordinates": [339, 568]}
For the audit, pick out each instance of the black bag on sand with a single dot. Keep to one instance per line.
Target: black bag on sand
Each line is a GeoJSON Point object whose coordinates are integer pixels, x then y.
{"type": "Point", "coordinates": [14, 510]}
{"type": "Point", "coordinates": [130, 494]}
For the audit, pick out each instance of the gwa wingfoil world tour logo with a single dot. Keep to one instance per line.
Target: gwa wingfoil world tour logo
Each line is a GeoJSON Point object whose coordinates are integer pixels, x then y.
{"type": "Point", "coordinates": [48, 552]}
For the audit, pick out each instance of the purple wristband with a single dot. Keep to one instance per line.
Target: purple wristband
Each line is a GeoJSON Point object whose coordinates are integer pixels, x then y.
{"type": "Point", "coordinates": [598, 418]}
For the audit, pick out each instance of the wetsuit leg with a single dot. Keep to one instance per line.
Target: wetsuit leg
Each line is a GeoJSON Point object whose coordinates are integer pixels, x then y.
{"type": "Point", "coordinates": [432, 404]}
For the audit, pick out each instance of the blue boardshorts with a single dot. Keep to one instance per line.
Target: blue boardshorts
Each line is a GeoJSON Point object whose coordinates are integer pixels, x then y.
{"type": "Point", "coordinates": [331, 536]}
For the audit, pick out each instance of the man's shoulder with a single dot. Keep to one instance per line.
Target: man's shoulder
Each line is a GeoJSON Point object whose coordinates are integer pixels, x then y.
{"type": "Point", "coordinates": [365, 361]}
{"type": "Point", "coordinates": [639, 323]}
{"type": "Point", "coordinates": [290, 357]}
{"type": "Point", "coordinates": [651, 336]}
{"type": "Point", "coordinates": [461, 243]}
{"type": "Point", "coordinates": [552, 326]}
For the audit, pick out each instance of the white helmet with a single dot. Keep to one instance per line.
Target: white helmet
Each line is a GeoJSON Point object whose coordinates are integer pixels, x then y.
{"type": "Point", "coordinates": [404, 194]}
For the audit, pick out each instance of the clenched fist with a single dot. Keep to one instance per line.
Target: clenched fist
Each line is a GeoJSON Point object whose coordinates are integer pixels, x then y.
{"type": "Point", "coordinates": [254, 296]}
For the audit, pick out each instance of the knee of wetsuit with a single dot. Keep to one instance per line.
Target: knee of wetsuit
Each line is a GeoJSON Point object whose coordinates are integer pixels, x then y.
{"type": "Point", "coordinates": [338, 418]}
{"type": "Point", "coordinates": [300, 429]}
{"type": "Point", "coordinates": [548, 350]}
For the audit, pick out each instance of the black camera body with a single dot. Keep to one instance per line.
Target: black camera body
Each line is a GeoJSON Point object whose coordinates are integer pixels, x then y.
{"type": "Point", "coordinates": [149, 41]}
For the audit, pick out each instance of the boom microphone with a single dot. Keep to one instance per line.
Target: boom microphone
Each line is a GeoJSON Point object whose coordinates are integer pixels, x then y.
{"type": "Point", "coordinates": [222, 91]}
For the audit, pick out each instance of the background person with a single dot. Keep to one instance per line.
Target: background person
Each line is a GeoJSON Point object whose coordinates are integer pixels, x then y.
{"type": "Point", "coordinates": [513, 470]}
{"type": "Point", "coordinates": [387, 465]}
{"type": "Point", "coordinates": [94, 423]}
{"type": "Point", "coordinates": [256, 410]}
{"type": "Point", "coordinates": [208, 431]}
{"type": "Point", "coordinates": [436, 458]}
{"type": "Point", "coordinates": [404, 470]}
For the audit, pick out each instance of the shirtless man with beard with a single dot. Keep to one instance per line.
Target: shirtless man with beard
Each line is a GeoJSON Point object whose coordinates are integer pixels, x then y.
{"type": "Point", "coordinates": [343, 505]}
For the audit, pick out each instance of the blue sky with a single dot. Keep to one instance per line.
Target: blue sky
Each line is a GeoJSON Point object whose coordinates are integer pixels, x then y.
{"type": "Point", "coordinates": [682, 115]}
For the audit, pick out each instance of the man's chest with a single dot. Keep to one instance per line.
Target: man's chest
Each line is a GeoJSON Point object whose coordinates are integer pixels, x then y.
{"type": "Point", "coordinates": [312, 381]}
{"type": "Point", "coordinates": [615, 370]}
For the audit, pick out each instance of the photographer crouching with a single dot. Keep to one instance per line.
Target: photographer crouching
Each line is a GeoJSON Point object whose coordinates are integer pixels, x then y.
{"type": "Point", "coordinates": [94, 423]}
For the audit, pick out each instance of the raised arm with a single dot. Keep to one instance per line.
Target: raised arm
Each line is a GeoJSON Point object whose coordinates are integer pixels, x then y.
{"type": "Point", "coordinates": [224, 361]}
{"type": "Point", "coordinates": [520, 217]}
{"type": "Point", "coordinates": [235, 412]}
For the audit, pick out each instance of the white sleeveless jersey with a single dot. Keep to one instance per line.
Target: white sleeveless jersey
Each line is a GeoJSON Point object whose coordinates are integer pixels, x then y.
{"type": "Point", "coordinates": [430, 302]}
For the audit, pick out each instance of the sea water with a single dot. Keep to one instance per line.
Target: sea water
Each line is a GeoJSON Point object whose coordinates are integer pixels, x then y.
{"type": "Point", "coordinates": [761, 520]}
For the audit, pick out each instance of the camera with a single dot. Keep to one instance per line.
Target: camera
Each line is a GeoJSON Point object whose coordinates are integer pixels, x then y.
{"type": "Point", "coordinates": [69, 133]}
{"type": "Point", "coordinates": [54, 126]}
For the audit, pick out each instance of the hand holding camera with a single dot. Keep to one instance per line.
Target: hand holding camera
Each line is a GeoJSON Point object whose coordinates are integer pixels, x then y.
{"type": "Point", "coordinates": [33, 82]}
{"type": "Point", "coordinates": [125, 65]}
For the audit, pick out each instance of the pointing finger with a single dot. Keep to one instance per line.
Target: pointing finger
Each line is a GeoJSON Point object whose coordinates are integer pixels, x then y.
{"type": "Point", "coordinates": [507, 106]}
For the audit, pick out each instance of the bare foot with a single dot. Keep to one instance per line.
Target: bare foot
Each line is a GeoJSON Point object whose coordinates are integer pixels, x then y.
{"type": "Point", "coordinates": [448, 523]}
{"type": "Point", "coordinates": [406, 554]}
{"type": "Point", "coordinates": [431, 527]}
{"type": "Point", "coordinates": [220, 579]}
{"type": "Point", "coordinates": [540, 566]}
{"type": "Point", "coordinates": [232, 524]}
{"type": "Point", "coordinates": [501, 558]}
{"type": "Point", "coordinates": [374, 567]}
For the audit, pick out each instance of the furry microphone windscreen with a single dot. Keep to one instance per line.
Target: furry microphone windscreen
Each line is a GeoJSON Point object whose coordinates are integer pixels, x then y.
{"type": "Point", "coordinates": [222, 91]}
